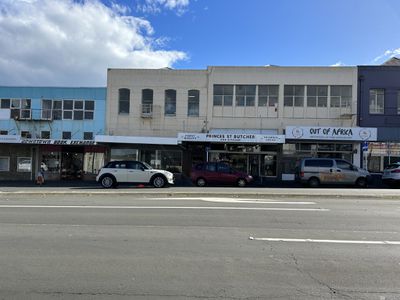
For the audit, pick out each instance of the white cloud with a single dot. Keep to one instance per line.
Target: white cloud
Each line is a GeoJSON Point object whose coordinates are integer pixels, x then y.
{"type": "Point", "coordinates": [156, 6]}
{"type": "Point", "coordinates": [338, 64]}
{"type": "Point", "coordinates": [63, 42]}
{"type": "Point", "coordinates": [386, 55]}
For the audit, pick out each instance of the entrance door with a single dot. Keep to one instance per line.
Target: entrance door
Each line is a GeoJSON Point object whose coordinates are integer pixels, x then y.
{"type": "Point", "coordinates": [71, 165]}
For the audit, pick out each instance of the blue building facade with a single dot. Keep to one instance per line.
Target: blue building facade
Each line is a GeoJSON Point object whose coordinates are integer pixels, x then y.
{"type": "Point", "coordinates": [53, 129]}
{"type": "Point", "coordinates": [379, 106]}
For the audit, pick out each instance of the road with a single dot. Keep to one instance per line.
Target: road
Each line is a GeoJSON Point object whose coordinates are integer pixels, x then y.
{"type": "Point", "coordinates": [137, 246]}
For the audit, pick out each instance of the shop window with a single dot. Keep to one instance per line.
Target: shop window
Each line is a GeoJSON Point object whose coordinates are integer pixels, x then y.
{"type": "Point", "coordinates": [51, 162]}
{"type": "Point", "coordinates": [376, 101]}
{"type": "Point", "coordinates": [3, 132]}
{"type": "Point", "coordinates": [124, 154]}
{"type": "Point", "coordinates": [317, 95]}
{"type": "Point", "coordinates": [24, 164]}
{"type": "Point", "coordinates": [93, 162]}
{"type": "Point", "coordinates": [88, 135]}
{"type": "Point", "coordinates": [170, 103]}
{"type": "Point", "coordinates": [223, 95]}
{"type": "Point", "coordinates": [245, 95]}
{"type": "Point", "coordinates": [66, 135]}
{"type": "Point", "coordinates": [193, 103]}
{"type": "Point", "coordinates": [147, 102]}
{"type": "Point", "coordinates": [4, 164]}
{"type": "Point", "coordinates": [294, 95]}
{"type": "Point", "coordinates": [268, 95]}
{"type": "Point", "coordinates": [45, 135]}
{"type": "Point", "coordinates": [341, 95]}
{"type": "Point", "coordinates": [123, 101]}
{"type": "Point", "coordinates": [171, 161]}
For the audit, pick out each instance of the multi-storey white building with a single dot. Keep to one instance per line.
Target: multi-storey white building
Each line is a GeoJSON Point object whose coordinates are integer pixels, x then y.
{"type": "Point", "coordinates": [261, 119]}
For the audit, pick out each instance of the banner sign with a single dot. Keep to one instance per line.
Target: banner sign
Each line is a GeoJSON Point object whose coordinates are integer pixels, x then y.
{"type": "Point", "coordinates": [231, 138]}
{"type": "Point", "coordinates": [331, 133]}
{"type": "Point", "coordinates": [57, 142]}
{"type": "Point", "coordinates": [10, 139]}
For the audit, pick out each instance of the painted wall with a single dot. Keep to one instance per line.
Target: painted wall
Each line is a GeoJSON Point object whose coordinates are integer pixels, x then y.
{"type": "Point", "coordinates": [56, 127]}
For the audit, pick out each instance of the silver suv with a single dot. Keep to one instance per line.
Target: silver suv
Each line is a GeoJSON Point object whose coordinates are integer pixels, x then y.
{"type": "Point", "coordinates": [116, 172]}
{"type": "Point", "coordinates": [316, 171]}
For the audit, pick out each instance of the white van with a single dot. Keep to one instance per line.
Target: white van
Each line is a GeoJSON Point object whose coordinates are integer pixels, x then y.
{"type": "Point", "coordinates": [316, 171]}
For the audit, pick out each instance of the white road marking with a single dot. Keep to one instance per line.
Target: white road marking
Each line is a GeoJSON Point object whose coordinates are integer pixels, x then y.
{"type": "Point", "coordinates": [165, 207]}
{"type": "Point", "coordinates": [240, 200]}
{"type": "Point", "coordinates": [326, 241]}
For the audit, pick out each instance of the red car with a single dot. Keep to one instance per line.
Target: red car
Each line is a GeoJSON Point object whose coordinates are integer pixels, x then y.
{"type": "Point", "coordinates": [219, 173]}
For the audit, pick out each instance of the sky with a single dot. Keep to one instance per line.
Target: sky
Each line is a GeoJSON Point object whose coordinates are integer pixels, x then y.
{"type": "Point", "coordinates": [73, 42]}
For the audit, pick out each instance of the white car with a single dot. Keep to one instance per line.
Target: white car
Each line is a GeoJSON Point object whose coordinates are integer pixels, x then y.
{"type": "Point", "coordinates": [391, 174]}
{"type": "Point", "coordinates": [116, 172]}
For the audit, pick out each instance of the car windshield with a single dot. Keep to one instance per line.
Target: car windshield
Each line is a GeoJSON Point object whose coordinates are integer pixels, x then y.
{"type": "Point", "coordinates": [147, 166]}
{"type": "Point", "coordinates": [393, 166]}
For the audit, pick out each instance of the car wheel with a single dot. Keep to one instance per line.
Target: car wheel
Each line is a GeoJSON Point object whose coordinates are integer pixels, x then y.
{"type": "Point", "coordinates": [158, 181]}
{"type": "Point", "coordinates": [107, 182]}
{"type": "Point", "coordinates": [361, 182]}
{"type": "Point", "coordinates": [241, 182]}
{"type": "Point", "coordinates": [313, 182]}
{"type": "Point", "coordinates": [201, 182]}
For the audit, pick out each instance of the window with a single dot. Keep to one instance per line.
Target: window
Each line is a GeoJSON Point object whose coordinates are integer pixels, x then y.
{"type": "Point", "coordinates": [46, 109]}
{"type": "Point", "coordinates": [134, 165]}
{"type": "Point", "coordinates": [376, 101]}
{"type": "Point", "coordinates": [68, 106]}
{"type": "Point", "coordinates": [25, 108]}
{"type": "Point", "coordinates": [3, 132]}
{"type": "Point", "coordinates": [57, 109]}
{"type": "Point", "coordinates": [223, 95]}
{"type": "Point", "coordinates": [147, 101]}
{"type": "Point", "coordinates": [170, 103]}
{"type": "Point", "coordinates": [20, 108]}
{"type": "Point", "coordinates": [88, 135]}
{"type": "Point", "coordinates": [268, 95]}
{"type": "Point", "coordinates": [78, 110]}
{"type": "Point", "coordinates": [24, 164]}
{"type": "Point", "coordinates": [245, 95]}
{"type": "Point", "coordinates": [193, 103]}
{"type": "Point", "coordinates": [294, 95]}
{"type": "Point", "coordinates": [45, 135]}
{"type": "Point", "coordinates": [123, 101]}
{"type": "Point", "coordinates": [5, 103]}
{"type": "Point", "coordinates": [89, 110]}
{"type": "Point", "coordinates": [224, 168]}
{"type": "Point", "coordinates": [323, 163]}
{"type": "Point", "coordinates": [211, 167]}
{"type": "Point", "coordinates": [317, 95]}
{"type": "Point", "coordinates": [341, 96]}
{"type": "Point", "coordinates": [26, 134]}
{"type": "Point", "coordinates": [66, 135]}
{"type": "Point", "coordinates": [4, 164]}
{"type": "Point", "coordinates": [344, 165]}
{"type": "Point", "coordinates": [398, 102]}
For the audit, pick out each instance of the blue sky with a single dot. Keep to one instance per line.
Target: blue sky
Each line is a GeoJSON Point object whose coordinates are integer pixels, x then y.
{"type": "Point", "coordinates": [73, 42]}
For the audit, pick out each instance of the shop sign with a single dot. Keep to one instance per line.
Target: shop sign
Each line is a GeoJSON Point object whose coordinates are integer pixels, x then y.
{"type": "Point", "coordinates": [231, 138]}
{"type": "Point", "coordinates": [331, 133]}
{"type": "Point", "coordinates": [57, 142]}
{"type": "Point", "coordinates": [10, 139]}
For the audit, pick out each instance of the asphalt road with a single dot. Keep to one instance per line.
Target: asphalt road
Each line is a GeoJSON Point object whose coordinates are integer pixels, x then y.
{"type": "Point", "coordinates": [105, 246]}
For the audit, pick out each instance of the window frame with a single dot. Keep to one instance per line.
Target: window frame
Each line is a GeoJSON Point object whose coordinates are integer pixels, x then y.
{"type": "Point", "coordinates": [318, 96]}
{"type": "Point", "coordinates": [224, 96]}
{"type": "Point", "coordinates": [341, 96]}
{"type": "Point", "coordinates": [24, 158]}
{"type": "Point", "coordinates": [65, 132]}
{"type": "Point", "coordinates": [126, 101]}
{"type": "Point", "coordinates": [8, 164]}
{"type": "Point", "coordinates": [268, 95]}
{"type": "Point", "coordinates": [376, 92]}
{"type": "Point", "coordinates": [293, 96]}
{"type": "Point", "coordinates": [170, 102]}
{"type": "Point", "coordinates": [193, 103]}
{"type": "Point", "coordinates": [243, 99]}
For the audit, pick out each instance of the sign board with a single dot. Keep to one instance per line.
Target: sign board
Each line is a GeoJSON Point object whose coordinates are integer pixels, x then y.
{"type": "Point", "coordinates": [231, 138]}
{"type": "Point", "coordinates": [365, 146]}
{"type": "Point", "coordinates": [331, 133]}
{"type": "Point", "coordinates": [57, 142]}
{"type": "Point", "coordinates": [10, 139]}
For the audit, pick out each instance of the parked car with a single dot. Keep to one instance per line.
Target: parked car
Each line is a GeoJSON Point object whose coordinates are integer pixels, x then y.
{"type": "Point", "coordinates": [116, 172]}
{"type": "Point", "coordinates": [391, 174]}
{"type": "Point", "coordinates": [219, 173]}
{"type": "Point", "coordinates": [316, 171]}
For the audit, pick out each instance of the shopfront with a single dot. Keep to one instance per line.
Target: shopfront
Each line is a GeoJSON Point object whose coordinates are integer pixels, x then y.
{"type": "Point", "coordinates": [255, 154]}
{"type": "Point", "coordinates": [331, 142]}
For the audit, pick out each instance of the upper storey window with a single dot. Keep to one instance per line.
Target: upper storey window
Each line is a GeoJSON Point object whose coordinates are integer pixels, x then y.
{"type": "Point", "coordinates": [170, 103]}
{"type": "Point", "coordinates": [317, 95]}
{"type": "Point", "coordinates": [294, 95]}
{"type": "Point", "coordinates": [193, 103]}
{"type": "Point", "coordinates": [245, 95]}
{"type": "Point", "coordinates": [268, 95]}
{"type": "Point", "coordinates": [223, 95]}
{"type": "Point", "coordinates": [124, 96]}
{"type": "Point", "coordinates": [376, 101]}
{"type": "Point", "coordinates": [147, 102]}
{"type": "Point", "coordinates": [341, 95]}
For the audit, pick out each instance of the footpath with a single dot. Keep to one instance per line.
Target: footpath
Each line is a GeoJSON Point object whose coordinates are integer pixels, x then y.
{"type": "Point", "coordinates": [193, 192]}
